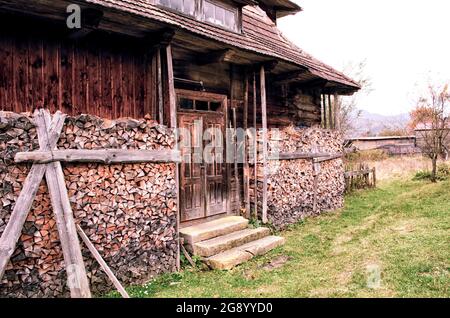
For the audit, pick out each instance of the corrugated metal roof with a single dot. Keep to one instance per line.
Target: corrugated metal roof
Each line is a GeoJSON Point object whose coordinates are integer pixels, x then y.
{"type": "Point", "coordinates": [259, 35]}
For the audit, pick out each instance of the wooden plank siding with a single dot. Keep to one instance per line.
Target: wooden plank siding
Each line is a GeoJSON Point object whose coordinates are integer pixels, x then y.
{"type": "Point", "coordinates": [89, 76]}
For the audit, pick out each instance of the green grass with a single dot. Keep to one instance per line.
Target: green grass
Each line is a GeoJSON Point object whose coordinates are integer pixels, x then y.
{"type": "Point", "coordinates": [402, 228]}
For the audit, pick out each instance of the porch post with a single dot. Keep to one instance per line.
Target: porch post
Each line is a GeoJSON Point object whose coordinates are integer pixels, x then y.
{"type": "Point", "coordinates": [255, 148]}
{"type": "Point", "coordinates": [265, 144]}
{"type": "Point", "coordinates": [337, 111]}
{"type": "Point", "coordinates": [324, 111]}
{"type": "Point", "coordinates": [173, 124]}
{"type": "Point", "coordinates": [246, 155]}
{"type": "Point", "coordinates": [330, 115]}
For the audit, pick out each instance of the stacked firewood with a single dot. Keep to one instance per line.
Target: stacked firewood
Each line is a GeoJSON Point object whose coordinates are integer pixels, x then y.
{"type": "Point", "coordinates": [291, 187]}
{"type": "Point", "coordinates": [127, 211]}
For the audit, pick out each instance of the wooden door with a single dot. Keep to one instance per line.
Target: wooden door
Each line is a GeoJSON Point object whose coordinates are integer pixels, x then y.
{"type": "Point", "coordinates": [192, 170]}
{"type": "Point", "coordinates": [203, 185]}
{"type": "Point", "coordinates": [215, 166]}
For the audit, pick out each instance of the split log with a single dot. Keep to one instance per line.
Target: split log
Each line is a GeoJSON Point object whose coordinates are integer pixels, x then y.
{"type": "Point", "coordinates": [13, 230]}
{"type": "Point", "coordinates": [102, 263]}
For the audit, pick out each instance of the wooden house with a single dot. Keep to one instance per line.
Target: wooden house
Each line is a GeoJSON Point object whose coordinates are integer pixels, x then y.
{"type": "Point", "coordinates": [223, 63]}
{"type": "Point", "coordinates": [392, 145]}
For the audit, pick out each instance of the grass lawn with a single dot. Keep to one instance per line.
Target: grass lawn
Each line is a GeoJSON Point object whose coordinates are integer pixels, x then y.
{"type": "Point", "coordinates": [400, 230]}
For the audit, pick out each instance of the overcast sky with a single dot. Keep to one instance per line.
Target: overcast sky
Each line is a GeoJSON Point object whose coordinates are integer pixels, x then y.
{"type": "Point", "coordinates": [405, 42]}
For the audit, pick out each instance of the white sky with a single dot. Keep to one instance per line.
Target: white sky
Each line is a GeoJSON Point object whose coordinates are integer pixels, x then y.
{"type": "Point", "coordinates": [405, 43]}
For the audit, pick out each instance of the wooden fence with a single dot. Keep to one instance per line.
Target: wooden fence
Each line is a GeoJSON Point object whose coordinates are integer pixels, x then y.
{"type": "Point", "coordinates": [360, 177]}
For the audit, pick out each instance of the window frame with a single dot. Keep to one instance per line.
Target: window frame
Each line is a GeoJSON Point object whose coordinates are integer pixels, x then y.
{"type": "Point", "coordinates": [200, 16]}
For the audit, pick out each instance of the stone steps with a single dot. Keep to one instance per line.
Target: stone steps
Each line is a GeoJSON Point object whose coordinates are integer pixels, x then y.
{"type": "Point", "coordinates": [243, 253]}
{"type": "Point", "coordinates": [227, 242]}
{"type": "Point", "coordinates": [212, 229]}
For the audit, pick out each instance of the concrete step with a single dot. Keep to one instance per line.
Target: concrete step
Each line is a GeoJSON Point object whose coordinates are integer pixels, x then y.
{"type": "Point", "coordinates": [238, 255]}
{"type": "Point", "coordinates": [225, 242]}
{"type": "Point", "coordinates": [212, 229]}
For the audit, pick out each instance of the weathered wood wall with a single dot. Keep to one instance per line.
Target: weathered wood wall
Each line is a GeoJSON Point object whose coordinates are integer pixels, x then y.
{"type": "Point", "coordinates": [101, 75]}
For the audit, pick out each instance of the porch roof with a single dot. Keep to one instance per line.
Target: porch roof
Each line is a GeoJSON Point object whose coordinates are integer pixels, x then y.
{"type": "Point", "coordinates": [259, 35]}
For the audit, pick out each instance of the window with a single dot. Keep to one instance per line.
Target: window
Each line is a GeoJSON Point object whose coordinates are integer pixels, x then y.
{"type": "Point", "coordinates": [221, 14]}
{"type": "Point", "coordinates": [184, 6]}
{"type": "Point", "coordinates": [188, 103]}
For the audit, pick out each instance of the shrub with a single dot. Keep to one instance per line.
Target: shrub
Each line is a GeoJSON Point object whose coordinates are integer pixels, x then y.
{"type": "Point", "coordinates": [443, 173]}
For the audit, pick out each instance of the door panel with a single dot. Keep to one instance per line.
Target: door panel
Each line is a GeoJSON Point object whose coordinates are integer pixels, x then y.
{"type": "Point", "coordinates": [215, 174]}
{"type": "Point", "coordinates": [191, 185]}
{"type": "Point", "coordinates": [203, 180]}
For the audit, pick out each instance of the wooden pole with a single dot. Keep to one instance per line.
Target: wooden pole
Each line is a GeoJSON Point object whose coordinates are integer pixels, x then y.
{"type": "Point", "coordinates": [160, 87]}
{"type": "Point", "coordinates": [13, 230]}
{"type": "Point", "coordinates": [174, 125]}
{"type": "Point", "coordinates": [265, 144]}
{"type": "Point", "coordinates": [255, 148]}
{"type": "Point", "coordinates": [246, 155]}
{"type": "Point", "coordinates": [76, 272]}
{"type": "Point", "coordinates": [337, 112]}
{"type": "Point", "coordinates": [323, 112]}
{"type": "Point", "coordinates": [171, 84]}
{"type": "Point", "coordinates": [236, 166]}
{"type": "Point", "coordinates": [330, 115]}
{"type": "Point", "coordinates": [374, 177]}
{"type": "Point", "coordinates": [108, 156]}
{"type": "Point", "coordinates": [102, 263]}
{"type": "Point", "coordinates": [315, 185]}
{"type": "Point", "coordinates": [235, 144]}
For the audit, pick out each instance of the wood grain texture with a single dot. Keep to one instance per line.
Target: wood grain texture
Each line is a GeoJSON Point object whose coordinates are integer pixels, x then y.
{"type": "Point", "coordinates": [76, 272]}
{"type": "Point", "coordinates": [23, 205]}
{"type": "Point", "coordinates": [109, 156]}
{"type": "Point", "coordinates": [102, 262]}
{"type": "Point", "coordinates": [92, 76]}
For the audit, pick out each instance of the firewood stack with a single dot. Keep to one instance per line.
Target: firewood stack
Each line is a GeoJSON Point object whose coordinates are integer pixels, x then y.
{"type": "Point", "coordinates": [128, 211]}
{"type": "Point", "coordinates": [291, 182]}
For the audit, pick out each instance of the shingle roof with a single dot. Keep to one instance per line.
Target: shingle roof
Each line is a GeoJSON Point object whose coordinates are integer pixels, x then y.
{"type": "Point", "coordinates": [259, 35]}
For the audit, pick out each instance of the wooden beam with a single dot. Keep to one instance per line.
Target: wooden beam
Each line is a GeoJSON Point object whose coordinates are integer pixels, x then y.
{"type": "Point", "coordinates": [313, 84]}
{"type": "Point", "coordinates": [324, 112]}
{"type": "Point", "coordinates": [102, 263]}
{"type": "Point", "coordinates": [330, 115]}
{"type": "Point", "coordinates": [160, 39]}
{"type": "Point", "coordinates": [220, 56]}
{"type": "Point", "coordinates": [160, 87]}
{"type": "Point", "coordinates": [304, 155]}
{"type": "Point", "coordinates": [265, 144]}
{"type": "Point", "coordinates": [77, 280]}
{"type": "Point", "coordinates": [13, 230]}
{"type": "Point", "coordinates": [316, 171]}
{"type": "Point", "coordinates": [337, 112]}
{"type": "Point", "coordinates": [255, 147]}
{"type": "Point", "coordinates": [288, 77]}
{"type": "Point", "coordinates": [76, 272]}
{"type": "Point", "coordinates": [108, 156]}
{"type": "Point", "coordinates": [174, 124]}
{"type": "Point", "coordinates": [328, 158]}
{"type": "Point", "coordinates": [234, 119]}
{"type": "Point", "coordinates": [246, 155]}
{"type": "Point", "coordinates": [171, 84]}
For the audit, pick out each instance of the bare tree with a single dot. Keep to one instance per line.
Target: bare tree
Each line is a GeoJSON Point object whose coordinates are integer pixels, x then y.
{"type": "Point", "coordinates": [348, 105]}
{"type": "Point", "coordinates": [431, 120]}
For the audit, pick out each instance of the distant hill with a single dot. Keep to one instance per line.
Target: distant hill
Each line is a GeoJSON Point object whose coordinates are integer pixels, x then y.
{"type": "Point", "coordinates": [370, 124]}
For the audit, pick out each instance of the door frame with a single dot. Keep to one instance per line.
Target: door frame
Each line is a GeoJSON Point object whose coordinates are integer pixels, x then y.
{"type": "Point", "coordinates": [224, 113]}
